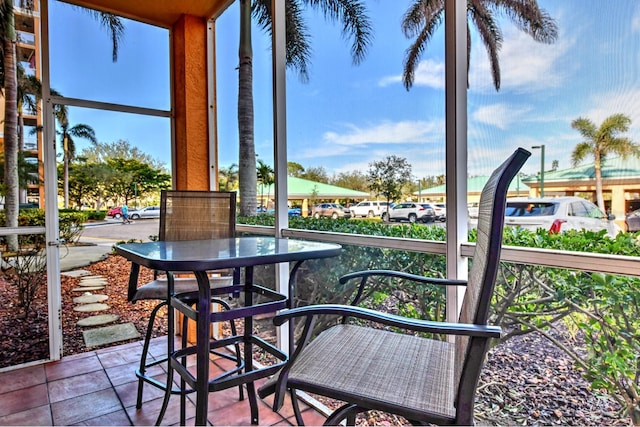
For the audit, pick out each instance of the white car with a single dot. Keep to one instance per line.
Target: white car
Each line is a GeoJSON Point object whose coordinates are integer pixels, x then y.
{"type": "Point", "coordinates": [148, 212]}
{"type": "Point", "coordinates": [412, 212]}
{"type": "Point", "coordinates": [558, 214]}
{"type": "Point", "coordinates": [473, 208]}
{"type": "Point", "coordinates": [369, 208]}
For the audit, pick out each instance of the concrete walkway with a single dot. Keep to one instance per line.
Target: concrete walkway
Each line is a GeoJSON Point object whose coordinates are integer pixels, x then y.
{"type": "Point", "coordinates": [98, 239]}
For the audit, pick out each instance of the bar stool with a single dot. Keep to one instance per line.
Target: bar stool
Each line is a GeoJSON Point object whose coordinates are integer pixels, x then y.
{"type": "Point", "coordinates": [187, 215]}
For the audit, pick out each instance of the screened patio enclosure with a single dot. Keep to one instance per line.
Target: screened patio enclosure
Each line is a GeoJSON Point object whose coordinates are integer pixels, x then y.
{"type": "Point", "coordinates": [194, 42]}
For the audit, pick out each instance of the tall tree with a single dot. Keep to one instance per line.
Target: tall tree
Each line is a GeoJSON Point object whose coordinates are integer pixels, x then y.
{"type": "Point", "coordinates": [10, 84]}
{"type": "Point", "coordinates": [266, 178]}
{"type": "Point", "coordinates": [388, 176]}
{"type": "Point", "coordinates": [423, 18]}
{"type": "Point", "coordinates": [355, 23]}
{"type": "Point", "coordinates": [68, 134]}
{"type": "Point", "coordinates": [228, 178]}
{"type": "Point", "coordinates": [601, 141]}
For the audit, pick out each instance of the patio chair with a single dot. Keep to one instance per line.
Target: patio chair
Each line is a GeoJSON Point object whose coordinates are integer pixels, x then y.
{"type": "Point", "coordinates": [421, 379]}
{"type": "Point", "coordinates": [186, 215]}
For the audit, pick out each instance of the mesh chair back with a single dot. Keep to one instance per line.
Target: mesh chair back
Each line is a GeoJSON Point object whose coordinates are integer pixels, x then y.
{"type": "Point", "coordinates": [486, 257]}
{"type": "Point", "coordinates": [197, 215]}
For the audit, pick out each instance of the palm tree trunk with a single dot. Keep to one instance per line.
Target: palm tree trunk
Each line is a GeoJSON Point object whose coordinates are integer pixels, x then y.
{"type": "Point", "coordinates": [248, 179]}
{"type": "Point", "coordinates": [22, 192]}
{"type": "Point", "coordinates": [11, 138]}
{"type": "Point", "coordinates": [65, 181]}
{"type": "Point", "coordinates": [598, 172]}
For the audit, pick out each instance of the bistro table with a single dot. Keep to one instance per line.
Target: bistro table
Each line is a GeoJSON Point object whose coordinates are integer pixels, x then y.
{"type": "Point", "coordinates": [200, 256]}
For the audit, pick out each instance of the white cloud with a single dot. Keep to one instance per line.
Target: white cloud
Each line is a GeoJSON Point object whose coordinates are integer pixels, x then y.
{"type": "Point", "coordinates": [500, 115]}
{"type": "Point", "coordinates": [388, 132]}
{"type": "Point", "coordinates": [428, 73]}
{"type": "Point", "coordinates": [525, 65]}
{"type": "Point", "coordinates": [635, 21]}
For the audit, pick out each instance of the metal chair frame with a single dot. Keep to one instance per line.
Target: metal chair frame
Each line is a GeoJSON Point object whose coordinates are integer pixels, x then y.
{"type": "Point", "coordinates": [427, 381]}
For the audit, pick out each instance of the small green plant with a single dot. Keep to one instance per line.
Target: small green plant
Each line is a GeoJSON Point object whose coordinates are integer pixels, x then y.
{"type": "Point", "coordinates": [25, 269]}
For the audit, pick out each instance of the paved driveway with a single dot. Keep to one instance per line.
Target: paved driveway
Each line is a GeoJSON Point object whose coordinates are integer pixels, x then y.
{"type": "Point", "coordinates": [114, 230]}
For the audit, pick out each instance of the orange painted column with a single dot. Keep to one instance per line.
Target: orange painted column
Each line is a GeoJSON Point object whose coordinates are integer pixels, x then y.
{"type": "Point", "coordinates": [191, 147]}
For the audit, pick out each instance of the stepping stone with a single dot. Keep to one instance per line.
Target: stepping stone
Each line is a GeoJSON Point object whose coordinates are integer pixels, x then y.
{"type": "Point", "coordinates": [90, 298]}
{"type": "Point", "coordinates": [92, 278]}
{"type": "Point", "coordinates": [100, 319]}
{"type": "Point", "coordinates": [76, 273]}
{"type": "Point", "coordinates": [110, 334]}
{"type": "Point", "coordinates": [93, 282]}
{"type": "Point", "coordinates": [85, 308]}
{"type": "Point", "coordinates": [88, 288]}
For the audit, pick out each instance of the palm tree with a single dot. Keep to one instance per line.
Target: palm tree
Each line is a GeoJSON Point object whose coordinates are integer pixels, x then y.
{"type": "Point", "coordinates": [423, 18]}
{"type": "Point", "coordinates": [265, 178]}
{"type": "Point", "coordinates": [67, 134]}
{"type": "Point", "coordinates": [602, 141]}
{"type": "Point", "coordinates": [228, 178]}
{"type": "Point", "coordinates": [355, 23]}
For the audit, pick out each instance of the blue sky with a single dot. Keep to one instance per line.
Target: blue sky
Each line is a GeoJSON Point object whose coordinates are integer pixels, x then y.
{"type": "Point", "coordinates": [347, 116]}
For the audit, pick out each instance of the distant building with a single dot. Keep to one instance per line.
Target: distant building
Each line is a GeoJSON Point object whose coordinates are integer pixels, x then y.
{"type": "Point", "coordinates": [620, 184]}
{"type": "Point", "coordinates": [306, 193]}
{"type": "Point", "coordinates": [474, 188]}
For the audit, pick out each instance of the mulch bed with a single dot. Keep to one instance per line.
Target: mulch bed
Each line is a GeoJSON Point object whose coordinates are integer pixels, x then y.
{"type": "Point", "coordinates": [525, 381]}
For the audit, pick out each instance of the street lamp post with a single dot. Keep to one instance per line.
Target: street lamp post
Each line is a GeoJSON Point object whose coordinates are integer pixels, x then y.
{"type": "Point", "coordinates": [541, 147]}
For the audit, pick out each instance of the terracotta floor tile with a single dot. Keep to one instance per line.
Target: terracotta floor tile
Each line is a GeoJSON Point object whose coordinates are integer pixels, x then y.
{"type": "Point", "coordinates": [311, 417]}
{"type": "Point", "coordinates": [73, 366]}
{"type": "Point", "coordinates": [85, 407]}
{"type": "Point", "coordinates": [118, 418]}
{"type": "Point", "coordinates": [40, 416]}
{"type": "Point", "coordinates": [268, 417]}
{"type": "Point", "coordinates": [238, 413]}
{"type": "Point", "coordinates": [68, 388]}
{"type": "Point", "coordinates": [22, 378]}
{"type": "Point", "coordinates": [128, 392]}
{"type": "Point", "coordinates": [124, 373]}
{"type": "Point", "coordinates": [26, 398]}
{"type": "Point", "coordinates": [150, 410]}
{"type": "Point", "coordinates": [121, 355]}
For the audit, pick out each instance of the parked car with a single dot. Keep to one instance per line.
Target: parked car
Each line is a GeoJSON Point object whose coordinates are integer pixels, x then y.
{"type": "Point", "coordinates": [632, 220]}
{"type": "Point", "coordinates": [333, 210]}
{"type": "Point", "coordinates": [473, 208]}
{"type": "Point", "coordinates": [412, 212]}
{"type": "Point", "coordinates": [115, 212]}
{"type": "Point", "coordinates": [441, 211]}
{"type": "Point", "coordinates": [291, 211]}
{"type": "Point", "coordinates": [148, 212]}
{"type": "Point", "coordinates": [369, 208]}
{"type": "Point", "coordinates": [558, 214]}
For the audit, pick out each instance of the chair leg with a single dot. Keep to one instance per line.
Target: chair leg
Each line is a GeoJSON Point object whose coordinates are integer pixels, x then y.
{"type": "Point", "coordinates": [296, 407]}
{"type": "Point", "coordinates": [167, 394]}
{"type": "Point", "coordinates": [145, 351]}
{"type": "Point", "coordinates": [347, 412]}
{"type": "Point", "coordinates": [253, 402]}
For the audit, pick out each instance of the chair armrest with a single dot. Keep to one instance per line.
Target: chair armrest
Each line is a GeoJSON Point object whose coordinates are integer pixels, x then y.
{"type": "Point", "coordinates": [365, 274]}
{"type": "Point", "coordinates": [418, 325]}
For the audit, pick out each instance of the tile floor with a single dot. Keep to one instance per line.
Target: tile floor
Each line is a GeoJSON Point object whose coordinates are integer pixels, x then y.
{"type": "Point", "coordinates": [99, 388]}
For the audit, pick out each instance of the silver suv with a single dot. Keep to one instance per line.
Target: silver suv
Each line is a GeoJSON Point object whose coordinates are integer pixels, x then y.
{"type": "Point", "coordinates": [369, 209]}
{"type": "Point", "coordinates": [412, 212]}
{"type": "Point", "coordinates": [333, 210]}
